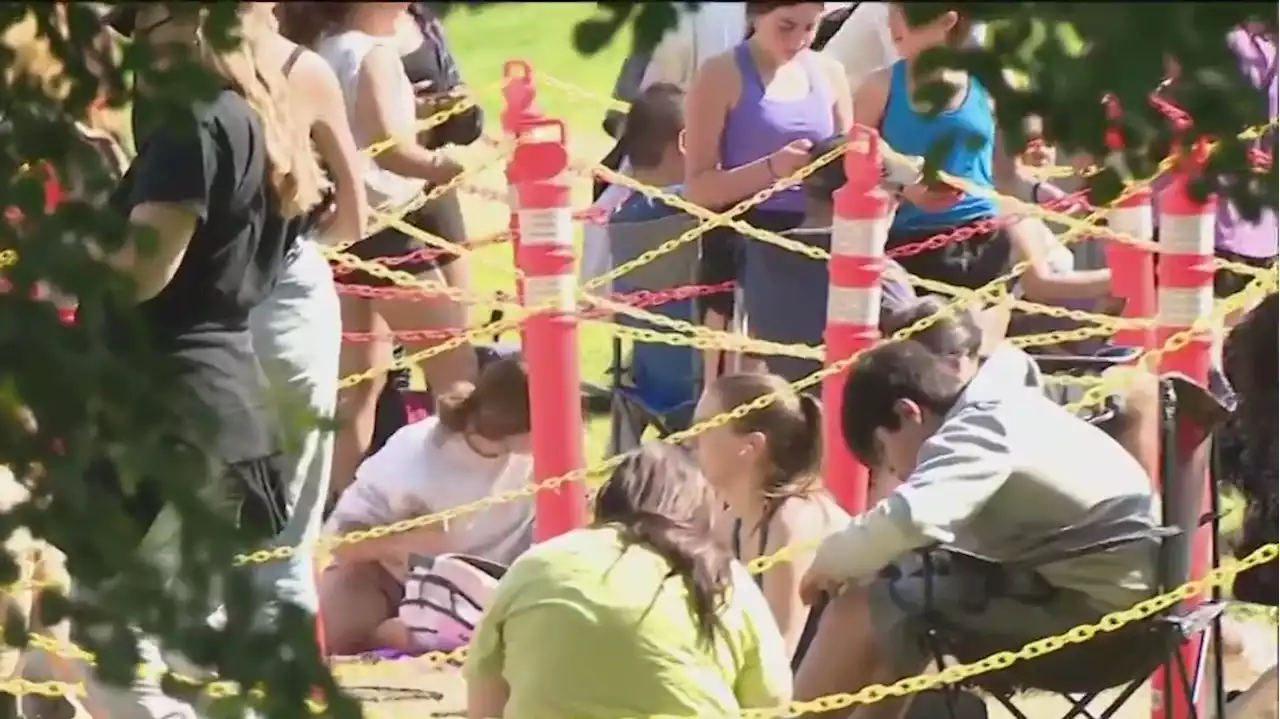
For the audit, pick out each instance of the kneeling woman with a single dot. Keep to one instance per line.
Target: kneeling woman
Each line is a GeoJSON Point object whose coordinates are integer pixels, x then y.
{"type": "Point", "coordinates": [765, 467]}
{"type": "Point", "coordinates": [476, 446]}
{"type": "Point", "coordinates": [642, 614]}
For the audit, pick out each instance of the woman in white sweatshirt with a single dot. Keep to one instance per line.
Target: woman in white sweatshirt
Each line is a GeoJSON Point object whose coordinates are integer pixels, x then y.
{"type": "Point", "coordinates": [475, 446]}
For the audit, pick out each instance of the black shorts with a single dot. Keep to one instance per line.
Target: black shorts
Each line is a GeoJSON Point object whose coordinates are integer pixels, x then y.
{"type": "Point", "coordinates": [391, 243]}
{"type": "Point", "coordinates": [255, 494]}
{"type": "Point", "coordinates": [722, 259]}
{"type": "Point", "coordinates": [970, 263]}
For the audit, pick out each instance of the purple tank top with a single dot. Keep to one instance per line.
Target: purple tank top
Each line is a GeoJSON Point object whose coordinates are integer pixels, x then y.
{"type": "Point", "coordinates": [1258, 240]}
{"type": "Point", "coordinates": [758, 126]}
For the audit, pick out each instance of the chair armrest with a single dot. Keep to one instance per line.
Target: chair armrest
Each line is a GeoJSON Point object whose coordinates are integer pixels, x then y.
{"type": "Point", "coordinates": [1088, 364]}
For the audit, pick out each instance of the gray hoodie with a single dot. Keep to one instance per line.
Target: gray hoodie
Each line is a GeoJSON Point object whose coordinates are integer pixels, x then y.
{"type": "Point", "coordinates": [1008, 473]}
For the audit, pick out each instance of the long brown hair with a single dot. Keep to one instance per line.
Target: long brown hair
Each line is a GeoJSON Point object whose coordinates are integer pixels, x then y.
{"type": "Point", "coordinates": [306, 23]}
{"type": "Point", "coordinates": [791, 426]}
{"type": "Point", "coordinates": [495, 407]}
{"type": "Point", "coordinates": [660, 501]}
{"type": "Point", "coordinates": [293, 170]}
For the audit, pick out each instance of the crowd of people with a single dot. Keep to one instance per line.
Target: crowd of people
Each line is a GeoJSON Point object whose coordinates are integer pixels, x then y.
{"type": "Point", "coordinates": [966, 447]}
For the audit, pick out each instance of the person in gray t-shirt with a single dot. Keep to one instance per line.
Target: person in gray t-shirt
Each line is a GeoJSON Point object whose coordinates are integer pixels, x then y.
{"type": "Point", "coordinates": [992, 467]}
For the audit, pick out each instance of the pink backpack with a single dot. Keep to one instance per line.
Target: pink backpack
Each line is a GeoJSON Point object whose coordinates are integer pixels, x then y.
{"type": "Point", "coordinates": [444, 598]}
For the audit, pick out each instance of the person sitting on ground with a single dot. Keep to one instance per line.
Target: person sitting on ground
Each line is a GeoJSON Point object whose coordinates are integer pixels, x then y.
{"type": "Point", "coordinates": [644, 613]}
{"type": "Point", "coordinates": [977, 156]}
{"type": "Point", "coordinates": [765, 467]}
{"type": "Point", "coordinates": [990, 466]}
{"type": "Point", "coordinates": [475, 446]}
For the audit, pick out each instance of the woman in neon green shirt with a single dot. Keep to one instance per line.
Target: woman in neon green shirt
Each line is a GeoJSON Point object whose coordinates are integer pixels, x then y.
{"type": "Point", "coordinates": [642, 614]}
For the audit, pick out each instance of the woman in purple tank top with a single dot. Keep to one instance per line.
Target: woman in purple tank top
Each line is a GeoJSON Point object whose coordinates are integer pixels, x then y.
{"type": "Point", "coordinates": [753, 113]}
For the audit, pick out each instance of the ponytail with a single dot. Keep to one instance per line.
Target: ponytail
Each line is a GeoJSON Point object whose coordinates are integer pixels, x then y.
{"type": "Point", "coordinates": [454, 407]}
{"type": "Point", "coordinates": [496, 407]}
{"type": "Point", "coordinates": [811, 451]}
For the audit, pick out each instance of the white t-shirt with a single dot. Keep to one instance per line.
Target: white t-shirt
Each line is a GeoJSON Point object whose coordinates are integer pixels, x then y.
{"type": "Point", "coordinates": [864, 44]}
{"type": "Point", "coordinates": [425, 468]}
{"type": "Point", "coordinates": [345, 53]}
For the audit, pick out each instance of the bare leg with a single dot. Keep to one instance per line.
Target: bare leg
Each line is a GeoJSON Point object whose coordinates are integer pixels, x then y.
{"type": "Point", "coordinates": [1259, 700]}
{"type": "Point", "coordinates": [845, 657]}
{"type": "Point", "coordinates": [354, 604]}
{"type": "Point", "coordinates": [358, 404]}
{"type": "Point", "coordinates": [445, 369]}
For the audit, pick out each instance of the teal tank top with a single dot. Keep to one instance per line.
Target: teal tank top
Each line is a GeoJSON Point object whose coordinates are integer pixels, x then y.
{"type": "Point", "coordinates": [971, 128]}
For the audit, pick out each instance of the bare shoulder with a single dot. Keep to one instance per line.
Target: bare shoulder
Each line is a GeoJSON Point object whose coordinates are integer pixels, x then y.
{"type": "Point", "coordinates": [805, 519]}
{"type": "Point", "coordinates": [877, 83]}
{"type": "Point", "coordinates": [716, 83]}
{"type": "Point", "coordinates": [718, 70]}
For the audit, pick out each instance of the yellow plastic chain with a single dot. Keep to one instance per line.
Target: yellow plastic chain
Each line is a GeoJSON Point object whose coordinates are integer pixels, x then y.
{"type": "Point", "coordinates": [1255, 290]}
{"type": "Point", "coordinates": [1220, 577]}
{"type": "Point", "coordinates": [949, 310]}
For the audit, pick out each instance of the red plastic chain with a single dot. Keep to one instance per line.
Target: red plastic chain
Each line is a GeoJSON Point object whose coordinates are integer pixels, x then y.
{"type": "Point", "coordinates": [982, 227]}
{"type": "Point", "coordinates": [425, 254]}
{"type": "Point", "coordinates": [639, 298]}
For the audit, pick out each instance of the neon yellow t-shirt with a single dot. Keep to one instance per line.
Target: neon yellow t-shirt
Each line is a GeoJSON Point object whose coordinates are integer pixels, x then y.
{"type": "Point", "coordinates": [581, 629]}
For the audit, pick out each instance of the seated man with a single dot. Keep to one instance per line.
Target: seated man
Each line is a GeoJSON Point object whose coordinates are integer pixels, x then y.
{"type": "Point", "coordinates": [993, 467]}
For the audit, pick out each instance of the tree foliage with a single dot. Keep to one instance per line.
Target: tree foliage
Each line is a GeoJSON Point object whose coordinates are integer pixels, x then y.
{"type": "Point", "coordinates": [1069, 56]}
{"type": "Point", "coordinates": [71, 396]}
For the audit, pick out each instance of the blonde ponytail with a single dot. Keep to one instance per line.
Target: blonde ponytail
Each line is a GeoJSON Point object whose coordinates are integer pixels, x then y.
{"type": "Point", "coordinates": [292, 168]}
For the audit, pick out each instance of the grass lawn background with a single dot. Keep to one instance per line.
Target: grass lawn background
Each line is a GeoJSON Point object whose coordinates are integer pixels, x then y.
{"type": "Point", "coordinates": [542, 35]}
{"type": "Point", "coordinates": [484, 40]}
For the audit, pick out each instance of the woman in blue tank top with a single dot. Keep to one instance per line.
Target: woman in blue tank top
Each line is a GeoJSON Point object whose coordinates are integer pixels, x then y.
{"type": "Point", "coordinates": [975, 154]}
{"type": "Point", "coordinates": [753, 113]}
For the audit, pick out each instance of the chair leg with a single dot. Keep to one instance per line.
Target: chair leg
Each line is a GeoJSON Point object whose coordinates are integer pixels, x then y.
{"type": "Point", "coordinates": [1009, 706]}
{"type": "Point", "coordinates": [1118, 703]}
{"type": "Point", "coordinates": [1187, 684]}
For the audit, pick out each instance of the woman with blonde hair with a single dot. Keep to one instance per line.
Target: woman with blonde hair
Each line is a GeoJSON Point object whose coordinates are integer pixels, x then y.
{"type": "Point", "coordinates": [297, 331]}
{"type": "Point", "coordinates": [365, 43]}
{"type": "Point", "coordinates": [222, 187]}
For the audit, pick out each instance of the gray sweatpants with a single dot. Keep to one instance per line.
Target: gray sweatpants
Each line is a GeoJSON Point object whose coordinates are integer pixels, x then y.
{"type": "Point", "coordinates": [297, 333]}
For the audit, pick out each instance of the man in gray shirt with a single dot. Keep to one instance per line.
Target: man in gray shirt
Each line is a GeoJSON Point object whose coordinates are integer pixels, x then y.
{"type": "Point", "coordinates": [994, 468]}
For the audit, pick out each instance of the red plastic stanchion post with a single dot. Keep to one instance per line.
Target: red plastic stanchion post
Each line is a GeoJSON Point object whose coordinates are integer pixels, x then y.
{"type": "Point", "coordinates": [1185, 295]}
{"type": "Point", "coordinates": [1133, 268]}
{"type": "Point", "coordinates": [546, 256]}
{"type": "Point", "coordinates": [519, 112]}
{"type": "Point", "coordinates": [858, 238]}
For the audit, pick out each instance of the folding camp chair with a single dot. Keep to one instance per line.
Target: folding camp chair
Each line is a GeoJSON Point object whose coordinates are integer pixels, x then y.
{"type": "Point", "coordinates": [656, 387]}
{"type": "Point", "coordinates": [1126, 657]}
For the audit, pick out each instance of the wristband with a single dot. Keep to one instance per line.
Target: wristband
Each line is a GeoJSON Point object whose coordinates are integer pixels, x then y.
{"type": "Point", "coordinates": [768, 164]}
{"type": "Point", "coordinates": [1035, 193]}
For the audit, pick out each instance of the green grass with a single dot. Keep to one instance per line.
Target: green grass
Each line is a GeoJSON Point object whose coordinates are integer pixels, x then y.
{"type": "Point", "coordinates": [485, 39]}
